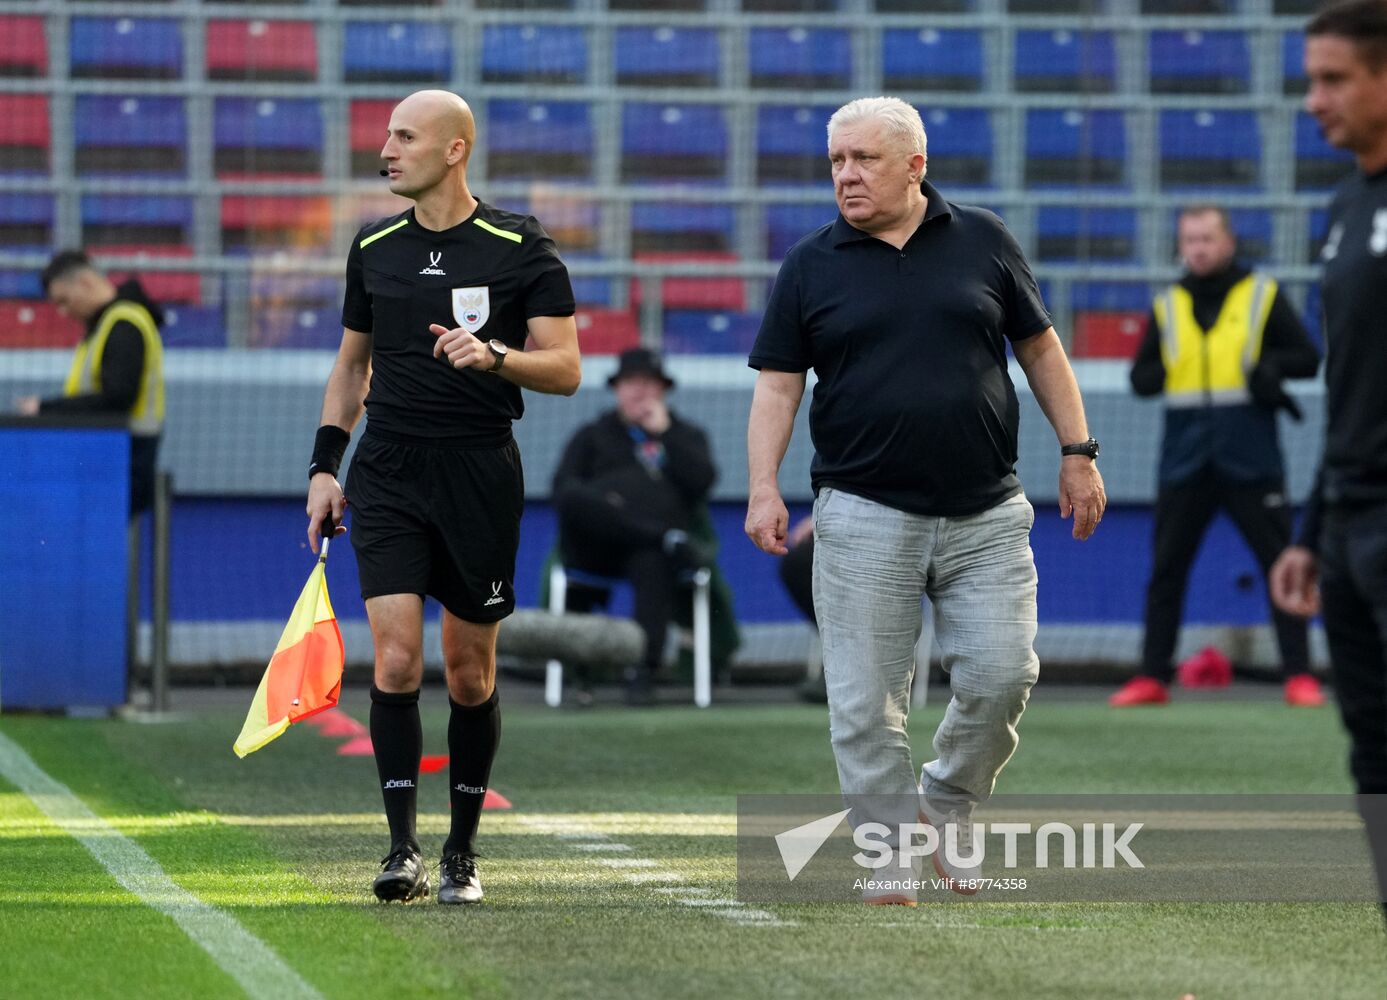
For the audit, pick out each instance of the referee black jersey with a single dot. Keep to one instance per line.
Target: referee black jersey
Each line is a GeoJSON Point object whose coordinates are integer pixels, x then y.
{"type": "Point", "coordinates": [488, 275]}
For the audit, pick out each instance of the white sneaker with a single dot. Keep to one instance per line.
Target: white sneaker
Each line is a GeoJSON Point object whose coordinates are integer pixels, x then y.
{"type": "Point", "coordinates": [959, 855]}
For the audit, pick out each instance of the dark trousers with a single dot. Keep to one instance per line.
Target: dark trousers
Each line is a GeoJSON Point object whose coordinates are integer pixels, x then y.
{"type": "Point", "coordinates": [1183, 515]}
{"type": "Point", "coordinates": [1353, 590]}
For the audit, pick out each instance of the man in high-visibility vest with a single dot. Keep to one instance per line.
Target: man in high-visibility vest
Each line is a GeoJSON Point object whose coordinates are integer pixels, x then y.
{"type": "Point", "coordinates": [1218, 343]}
{"type": "Point", "coordinates": [118, 367]}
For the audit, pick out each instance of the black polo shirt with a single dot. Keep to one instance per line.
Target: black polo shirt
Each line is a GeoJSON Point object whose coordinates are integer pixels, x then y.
{"type": "Point", "coordinates": [913, 407]}
{"type": "Point", "coordinates": [488, 274]}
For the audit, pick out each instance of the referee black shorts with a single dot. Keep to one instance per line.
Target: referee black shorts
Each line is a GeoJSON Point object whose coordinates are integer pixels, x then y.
{"type": "Point", "coordinates": [438, 521]}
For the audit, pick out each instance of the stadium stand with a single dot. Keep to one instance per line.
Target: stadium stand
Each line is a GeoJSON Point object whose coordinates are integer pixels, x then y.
{"type": "Point", "coordinates": [1293, 64]}
{"type": "Point", "coordinates": [667, 56]}
{"type": "Point", "coordinates": [26, 222]}
{"type": "Point", "coordinates": [194, 326]}
{"type": "Point", "coordinates": [23, 46]}
{"type": "Point", "coordinates": [119, 219]}
{"type": "Point", "coordinates": [932, 59]}
{"type": "Point", "coordinates": [1065, 61]}
{"type": "Point", "coordinates": [267, 137]}
{"type": "Point", "coordinates": [1199, 62]}
{"type": "Point", "coordinates": [792, 144]}
{"type": "Point", "coordinates": [126, 48]}
{"type": "Point", "coordinates": [261, 50]}
{"type": "Point", "coordinates": [528, 53]}
{"type": "Point", "coordinates": [1109, 317]}
{"type": "Point", "coordinates": [1077, 233]}
{"type": "Point", "coordinates": [701, 332]}
{"type": "Point", "coordinates": [396, 51]}
{"type": "Point", "coordinates": [1072, 147]}
{"type": "Point", "coordinates": [1318, 165]}
{"type": "Point", "coordinates": [800, 58]}
{"type": "Point", "coordinates": [959, 146]}
{"type": "Point", "coordinates": [607, 331]}
{"type": "Point", "coordinates": [163, 286]}
{"type": "Point", "coordinates": [24, 134]}
{"type": "Point", "coordinates": [1208, 149]}
{"type": "Point", "coordinates": [788, 223]}
{"type": "Point", "coordinates": [673, 142]}
{"type": "Point", "coordinates": [368, 123]}
{"type": "Point", "coordinates": [276, 224]}
{"type": "Point", "coordinates": [537, 140]}
{"type": "Point", "coordinates": [682, 226]}
{"type": "Point", "coordinates": [26, 323]}
{"type": "Point", "coordinates": [115, 136]}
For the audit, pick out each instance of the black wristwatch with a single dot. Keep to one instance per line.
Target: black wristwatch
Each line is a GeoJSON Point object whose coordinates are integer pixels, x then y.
{"type": "Point", "coordinates": [1087, 448]}
{"type": "Point", "coordinates": [498, 351]}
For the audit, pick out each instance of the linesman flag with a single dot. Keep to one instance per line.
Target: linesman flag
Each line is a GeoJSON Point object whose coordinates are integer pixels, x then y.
{"type": "Point", "coordinates": [305, 673]}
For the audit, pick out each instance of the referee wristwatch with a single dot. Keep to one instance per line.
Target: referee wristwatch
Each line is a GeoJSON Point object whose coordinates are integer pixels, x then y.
{"type": "Point", "coordinates": [1087, 448]}
{"type": "Point", "coordinates": [498, 351]}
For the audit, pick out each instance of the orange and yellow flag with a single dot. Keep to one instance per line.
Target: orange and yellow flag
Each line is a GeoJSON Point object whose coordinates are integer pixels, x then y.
{"type": "Point", "coordinates": [305, 674]}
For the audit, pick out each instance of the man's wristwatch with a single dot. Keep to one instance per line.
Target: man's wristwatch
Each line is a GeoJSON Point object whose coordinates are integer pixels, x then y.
{"type": "Point", "coordinates": [499, 352]}
{"type": "Point", "coordinates": [1087, 448]}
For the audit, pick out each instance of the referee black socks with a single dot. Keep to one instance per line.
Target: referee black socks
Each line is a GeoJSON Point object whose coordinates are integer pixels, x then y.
{"type": "Point", "coordinates": [474, 733]}
{"type": "Point", "coordinates": [398, 742]}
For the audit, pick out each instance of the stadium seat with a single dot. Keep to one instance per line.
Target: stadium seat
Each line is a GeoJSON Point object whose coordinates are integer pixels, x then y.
{"type": "Point", "coordinates": [23, 46]}
{"type": "Point", "coordinates": [24, 134]}
{"type": "Point", "coordinates": [607, 331]}
{"type": "Point", "coordinates": [672, 143]}
{"type": "Point", "coordinates": [789, 6]}
{"type": "Point", "coordinates": [589, 289]}
{"type": "Point", "coordinates": [574, 221]}
{"type": "Point", "coordinates": [128, 48]}
{"type": "Point", "coordinates": [368, 128]}
{"type": "Point", "coordinates": [644, 5]}
{"type": "Point", "coordinates": [1199, 62]}
{"type": "Point", "coordinates": [115, 219]}
{"type": "Point", "coordinates": [801, 58]}
{"type": "Point", "coordinates": [1293, 64]}
{"type": "Point", "coordinates": [26, 222]}
{"type": "Point", "coordinates": [931, 59]}
{"type": "Point", "coordinates": [1318, 165]}
{"type": "Point", "coordinates": [279, 223]}
{"type": "Point", "coordinates": [666, 225]}
{"type": "Point", "coordinates": [1051, 7]}
{"type": "Point", "coordinates": [694, 293]}
{"type": "Point", "coordinates": [1109, 318]}
{"type": "Point", "coordinates": [703, 332]}
{"type": "Point", "coordinates": [397, 51]}
{"type": "Point", "coordinates": [787, 224]}
{"type": "Point", "coordinates": [296, 328]}
{"type": "Point", "coordinates": [1201, 149]}
{"type": "Point", "coordinates": [792, 144]}
{"type": "Point", "coordinates": [130, 135]}
{"type": "Point", "coordinates": [194, 326]}
{"type": "Point", "coordinates": [162, 286]}
{"type": "Point", "coordinates": [1075, 148]}
{"type": "Point", "coordinates": [1192, 7]}
{"type": "Point", "coordinates": [1065, 61]}
{"type": "Point", "coordinates": [28, 323]}
{"type": "Point", "coordinates": [923, 6]}
{"type": "Point", "coordinates": [525, 53]}
{"type": "Point", "coordinates": [438, 3]}
{"type": "Point", "coordinates": [261, 50]}
{"type": "Point", "coordinates": [667, 57]}
{"type": "Point", "coordinates": [959, 143]}
{"type": "Point", "coordinates": [1086, 234]}
{"type": "Point", "coordinates": [539, 140]}
{"type": "Point", "coordinates": [264, 137]}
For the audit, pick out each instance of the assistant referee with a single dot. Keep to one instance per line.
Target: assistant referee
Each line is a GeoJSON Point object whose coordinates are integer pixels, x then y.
{"type": "Point", "coordinates": [439, 302]}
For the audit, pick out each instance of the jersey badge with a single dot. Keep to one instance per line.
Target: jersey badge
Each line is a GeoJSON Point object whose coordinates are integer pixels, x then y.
{"type": "Point", "coordinates": [472, 307]}
{"type": "Point", "coordinates": [435, 258]}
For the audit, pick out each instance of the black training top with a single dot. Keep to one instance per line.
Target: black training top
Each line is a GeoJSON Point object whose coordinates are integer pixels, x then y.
{"type": "Point", "coordinates": [1354, 467]}
{"type": "Point", "coordinates": [489, 275]}
{"type": "Point", "coordinates": [914, 407]}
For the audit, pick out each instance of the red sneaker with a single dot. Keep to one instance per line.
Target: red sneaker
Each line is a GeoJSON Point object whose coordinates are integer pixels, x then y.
{"type": "Point", "coordinates": [1304, 691]}
{"type": "Point", "coordinates": [1140, 690]}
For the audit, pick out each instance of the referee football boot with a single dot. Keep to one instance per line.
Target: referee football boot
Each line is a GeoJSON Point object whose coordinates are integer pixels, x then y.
{"type": "Point", "coordinates": [458, 881]}
{"type": "Point", "coordinates": [403, 876]}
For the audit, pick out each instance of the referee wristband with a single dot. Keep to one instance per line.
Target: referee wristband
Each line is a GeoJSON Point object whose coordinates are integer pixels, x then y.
{"type": "Point", "coordinates": [328, 447]}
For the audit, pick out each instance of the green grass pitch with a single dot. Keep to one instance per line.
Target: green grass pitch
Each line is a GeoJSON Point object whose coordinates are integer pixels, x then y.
{"type": "Point", "coordinates": [287, 841]}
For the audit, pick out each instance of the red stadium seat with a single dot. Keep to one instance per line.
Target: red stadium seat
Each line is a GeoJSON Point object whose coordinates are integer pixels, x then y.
{"type": "Point", "coordinates": [269, 222]}
{"type": "Point", "coordinates": [695, 293]}
{"type": "Point", "coordinates": [26, 323]}
{"type": "Point", "coordinates": [23, 48]}
{"type": "Point", "coordinates": [261, 50]}
{"type": "Point", "coordinates": [162, 286]}
{"type": "Point", "coordinates": [607, 331]}
{"type": "Point", "coordinates": [1108, 334]}
{"type": "Point", "coordinates": [369, 122]}
{"type": "Point", "coordinates": [24, 133]}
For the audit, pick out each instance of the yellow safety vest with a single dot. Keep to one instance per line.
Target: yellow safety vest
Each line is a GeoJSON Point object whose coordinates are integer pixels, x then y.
{"type": "Point", "coordinates": [1212, 368]}
{"type": "Point", "coordinates": [147, 415]}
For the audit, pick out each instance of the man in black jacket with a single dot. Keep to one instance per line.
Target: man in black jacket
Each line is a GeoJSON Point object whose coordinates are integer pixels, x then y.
{"type": "Point", "coordinates": [1218, 343]}
{"type": "Point", "coordinates": [118, 366]}
{"type": "Point", "coordinates": [626, 491]}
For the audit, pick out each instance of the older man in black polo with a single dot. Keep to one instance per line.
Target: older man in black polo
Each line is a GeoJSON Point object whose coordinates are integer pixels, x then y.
{"type": "Point", "coordinates": [904, 307]}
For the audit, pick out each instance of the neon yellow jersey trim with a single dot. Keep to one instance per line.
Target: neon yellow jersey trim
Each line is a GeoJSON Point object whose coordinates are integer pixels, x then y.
{"type": "Point", "coordinates": [513, 237]}
{"type": "Point", "coordinates": [384, 232]}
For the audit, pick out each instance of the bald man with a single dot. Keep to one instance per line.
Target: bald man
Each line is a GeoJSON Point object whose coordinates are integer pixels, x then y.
{"type": "Point", "coordinates": [439, 304]}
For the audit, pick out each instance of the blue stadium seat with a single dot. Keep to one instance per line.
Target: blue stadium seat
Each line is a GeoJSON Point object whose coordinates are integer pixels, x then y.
{"type": "Point", "coordinates": [671, 143]}
{"type": "Point", "coordinates": [787, 224]}
{"type": "Point", "coordinates": [801, 58]}
{"type": "Point", "coordinates": [923, 6]}
{"type": "Point", "coordinates": [1293, 63]}
{"type": "Point", "coordinates": [589, 290]}
{"type": "Point", "coordinates": [1196, 8]}
{"type": "Point", "coordinates": [126, 48]}
{"type": "Point", "coordinates": [532, 140]}
{"type": "Point", "coordinates": [296, 328]}
{"type": "Point", "coordinates": [667, 225]}
{"type": "Point", "coordinates": [260, 136]}
{"type": "Point", "coordinates": [1199, 62]}
{"type": "Point", "coordinates": [667, 57]}
{"type": "Point", "coordinates": [26, 222]}
{"type": "Point", "coordinates": [1076, 148]}
{"type": "Point", "coordinates": [527, 53]}
{"type": "Point", "coordinates": [1318, 165]}
{"type": "Point", "coordinates": [130, 135]}
{"type": "Point", "coordinates": [930, 59]}
{"type": "Point", "coordinates": [637, 5]}
{"type": "Point", "coordinates": [396, 51]}
{"type": "Point", "coordinates": [1210, 149]}
{"type": "Point", "coordinates": [1065, 61]}
{"type": "Point", "coordinates": [194, 326]}
{"type": "Point", "coordinates": [1052, 7]}
{"type": "Point", "coordinates": [1089, 234]}
{"type": "Point", "coordinates": [959, 146]}
{"type": "Point", "coordinates": [1254, 228]}
{"type": "Point", "coordinates": [698, 331]}
{"type": "Point", "coordinates": [1110, 296]}
{"type": "Point", "coordinates": [510, 5]}
{"type": "Point", "coordinates": [1317, 228]}
{"type": "Point", "coordinates": [792, 144]}
{"type": "Point", "coordinates": [109, 219]}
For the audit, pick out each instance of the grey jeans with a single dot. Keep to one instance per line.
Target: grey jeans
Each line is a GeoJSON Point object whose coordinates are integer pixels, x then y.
{"type": "Point", "coordinates": [872, 566]}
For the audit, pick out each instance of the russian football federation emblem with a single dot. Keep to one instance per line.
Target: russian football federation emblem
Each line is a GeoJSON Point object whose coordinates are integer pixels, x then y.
{"type": "Point", "coordinates": [472, 307]}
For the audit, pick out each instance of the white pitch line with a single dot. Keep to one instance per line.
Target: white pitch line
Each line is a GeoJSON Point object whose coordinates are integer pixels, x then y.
{"type": "Point", "coordinates": [640, 878]}
{"type": "Point", "coordinates": [684, 890]}
{"type": "Point", "coordinates": [628, 862]}
{"type": "Point", "coordinates": [609, 845]}
{"type": "Point", "coordinates": [251, 962]}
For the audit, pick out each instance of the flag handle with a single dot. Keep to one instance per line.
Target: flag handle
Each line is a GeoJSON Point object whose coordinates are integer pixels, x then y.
{"type": "Point", "coordinates": [322, 551]}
